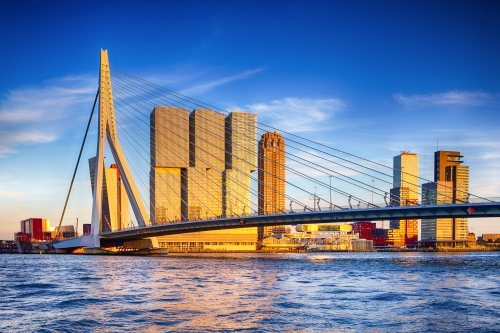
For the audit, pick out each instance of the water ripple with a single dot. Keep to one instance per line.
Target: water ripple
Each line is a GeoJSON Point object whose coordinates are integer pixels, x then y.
{"type": "Point", "coordinates": [299, 292]}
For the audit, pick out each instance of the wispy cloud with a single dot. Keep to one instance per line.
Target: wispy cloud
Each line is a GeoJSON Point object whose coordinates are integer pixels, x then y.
{"type": "Point", "coordinates": [297, 114]}
{"type": "Point", "coordinates": [40, 113]}
{"type": "Point", "coordinates": [464, 98]}
{"type": "Point", "coordinates": [210, 85]}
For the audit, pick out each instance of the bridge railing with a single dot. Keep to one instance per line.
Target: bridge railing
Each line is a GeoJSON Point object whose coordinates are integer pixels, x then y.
{"type": "Point", "coordinates": [311, 209]}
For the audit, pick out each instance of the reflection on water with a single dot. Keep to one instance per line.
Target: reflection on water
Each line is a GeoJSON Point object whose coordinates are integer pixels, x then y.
{"type": "Point", "coordinates": [333, 292]}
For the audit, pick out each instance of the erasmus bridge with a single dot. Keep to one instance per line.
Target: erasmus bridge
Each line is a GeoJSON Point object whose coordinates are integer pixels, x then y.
{"type": "Point", "coordinates": [214, 178]}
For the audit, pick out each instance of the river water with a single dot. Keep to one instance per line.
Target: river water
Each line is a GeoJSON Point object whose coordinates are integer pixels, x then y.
{"type": "Point", "coordinates": [296, 292]}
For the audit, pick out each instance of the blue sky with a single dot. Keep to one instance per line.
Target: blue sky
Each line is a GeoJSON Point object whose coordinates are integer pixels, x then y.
{"type": "Point", "coordinates": [369, 77]}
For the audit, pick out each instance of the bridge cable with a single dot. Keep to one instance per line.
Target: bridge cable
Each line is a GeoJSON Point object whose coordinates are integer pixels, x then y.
{"type": "Point", "coordinates": [320, 144]}
{"type": "Point", "coordinates": [77, 163]}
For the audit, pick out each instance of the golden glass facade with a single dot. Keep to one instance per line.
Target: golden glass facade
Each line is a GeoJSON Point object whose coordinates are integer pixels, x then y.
{"type": "Point", "coordinates": [207, 147]}
{"type": "Point", "coordinates": [236, 193]}
{"type": "Point", "coordinates": [437, 193]}
{"type": "Point", "coordinates": [169, 144]}
{"type": "Point", "coordinates": [166, 204]}
{"type": "Point", "coordinates": [115, 213]}
{"type": "Point", "coordinates": [443, 159]}
{"type": "Point", "coordinates": [241, 160]}
{"type": "Point", "coordinates": [242, 239]}
{"type": "Point", "coordinates": [405, 193]}
{"type": "Point", "coordinates": [117, 199]}
{"type": "Point", "coordinates": [241, 136]}
{"type": "Point", "coordinates": [192, 178]}
{"type": "Point", "coordinates": [169, 137]}
{"type": "Point", "coordinates": [207, 139]}
{"type": "Point", "coordinates": [271, 187]}
{"type": "Point", "coordinates": [405, 174]}
{"type": "Point", "coordinates": [448, 169]}
{"type": "Point", "coordinates": [194, 193]}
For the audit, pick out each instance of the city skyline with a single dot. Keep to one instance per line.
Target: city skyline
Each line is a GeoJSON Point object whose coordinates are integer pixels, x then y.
{"type": "Point", "coordinates": [356, 88]}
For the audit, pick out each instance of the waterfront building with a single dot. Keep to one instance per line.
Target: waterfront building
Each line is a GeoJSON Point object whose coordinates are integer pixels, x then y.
{"type": "Point", "coordinates": [115, 204]}
{"type": "Point", "coordinates": [380, 237]}
{"type": "Point", "coordinates": [169, 145]}
{"type": "Point", "coordinates": [472, 238]}
{"type": "Point", "coordinates": [396, 237]}
{"type": "Point", "coordinates": [365, 230]}
{"type": "Point", "coordinates": [86, 228]}
{"type": "Point", "coordinates": [316, 238]}
{"type": "Point", "coordinates": [444, 159]}
{"type": "Point", "coordinates": [323, 227]}
{"type": "Point", "coordinates": [491, 237]}
{"type": "Point", "coordinates": [451, 186]}
{"type": "Point", "coordinates": [405, 192]}
{"type": "Point", "coordinates": [271, 184]}
{"type": "Point", "coordinates": [207, 162]}
{"type": "Point", "coordinates": [202, 180]}
{"type": "Point", "coordinates": [241, 161]}
{"type": "Point", "coordinates": [35, 227]}
{"type": "Point", "coordinates": [242, 239]}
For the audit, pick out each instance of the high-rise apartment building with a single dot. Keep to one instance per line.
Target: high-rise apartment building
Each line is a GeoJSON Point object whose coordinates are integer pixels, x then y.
{"type": "Point", "coordinates": [271, 187]}
{"type": "Point", "coordinates": [115, 204]}
{"type": "Point", "coordinates": [405, 192]}
{"type": "Point", "coordinates": [451, 186]}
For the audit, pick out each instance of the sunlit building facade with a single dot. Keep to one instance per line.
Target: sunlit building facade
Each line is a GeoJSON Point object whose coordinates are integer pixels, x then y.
{"type": "Point", "coordinates": [199, 182]}
{"type": "Point", "coordinates": [405, 192]}
{"type": "Point", "coordinates": [315, 237]}
{"type": "Point", "coordinates": [115, 213]}
{"type": "Point", "coordinates": [271, 180]}
{"type": "Point", "coordinates": [169, 144]}
{"type": "Point", "coordinates": [452, 186]}
{"type": "Point", "coordinates": [241, 161]}
{"type": "Point", "coordinates": [207, 162]}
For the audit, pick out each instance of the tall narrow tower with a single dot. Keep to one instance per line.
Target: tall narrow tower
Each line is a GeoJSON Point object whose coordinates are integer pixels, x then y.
{"type": "Point", "coordinates": [169, 145]}
{"type": "Point", "coordinates": [448, 168]}
{"type": "Point", "coordinates": [405, 192]}
{"type": "Point", "coordinates": [271, 179]}
{"type": "Point", "coordinates": [115, 213]}
{"type": "Point", "coordinates": [241, 160]}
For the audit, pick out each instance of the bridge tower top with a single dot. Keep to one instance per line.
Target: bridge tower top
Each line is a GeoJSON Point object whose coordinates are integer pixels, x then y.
{"type": "Point", "coordinates": [107, 130]}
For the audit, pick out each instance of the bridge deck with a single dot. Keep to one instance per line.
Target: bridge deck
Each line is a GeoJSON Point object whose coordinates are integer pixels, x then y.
{"type": "Point", "coordinates": [472, 210]}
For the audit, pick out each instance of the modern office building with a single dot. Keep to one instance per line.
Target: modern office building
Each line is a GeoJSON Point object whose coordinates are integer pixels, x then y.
{"type": "Point", "coordinates": [444, 159]}
{"type": "Point", "coordinates": [448, 167]}
{"type": "Point", "coordinates": [451, 186]}
{"type": "Point", "coordinates": [169, 145]}
{"type": "Point", "coordinates": [241, 161]}
{"type": "Point", "coordinates": [405, 192]}
{"type": "Point", "coordinates": [207, 159]}
{"type": "Point", "coordinates": [393, 237]}
{"type": "Point", "coordinates": [195, 178]}
{"type": "Point", "coordinates": [271, 184]}
{"type": "Point", "coordinates": [115, 213]}
{"type": "Point", "coordinates": [365, 230]}
{"type": "Point", "coordinates": [35, 227]}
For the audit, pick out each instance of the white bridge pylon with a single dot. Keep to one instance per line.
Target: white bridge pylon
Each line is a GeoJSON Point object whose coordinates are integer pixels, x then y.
{"type": "Point", "coordinates": [107, 130]}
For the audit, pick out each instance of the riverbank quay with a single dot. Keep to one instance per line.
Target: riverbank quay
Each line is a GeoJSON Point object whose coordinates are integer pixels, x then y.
{"type": "Point", "coordinates": [10, 247]}
{"type": "Point", "coordinates": [172, 251]}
